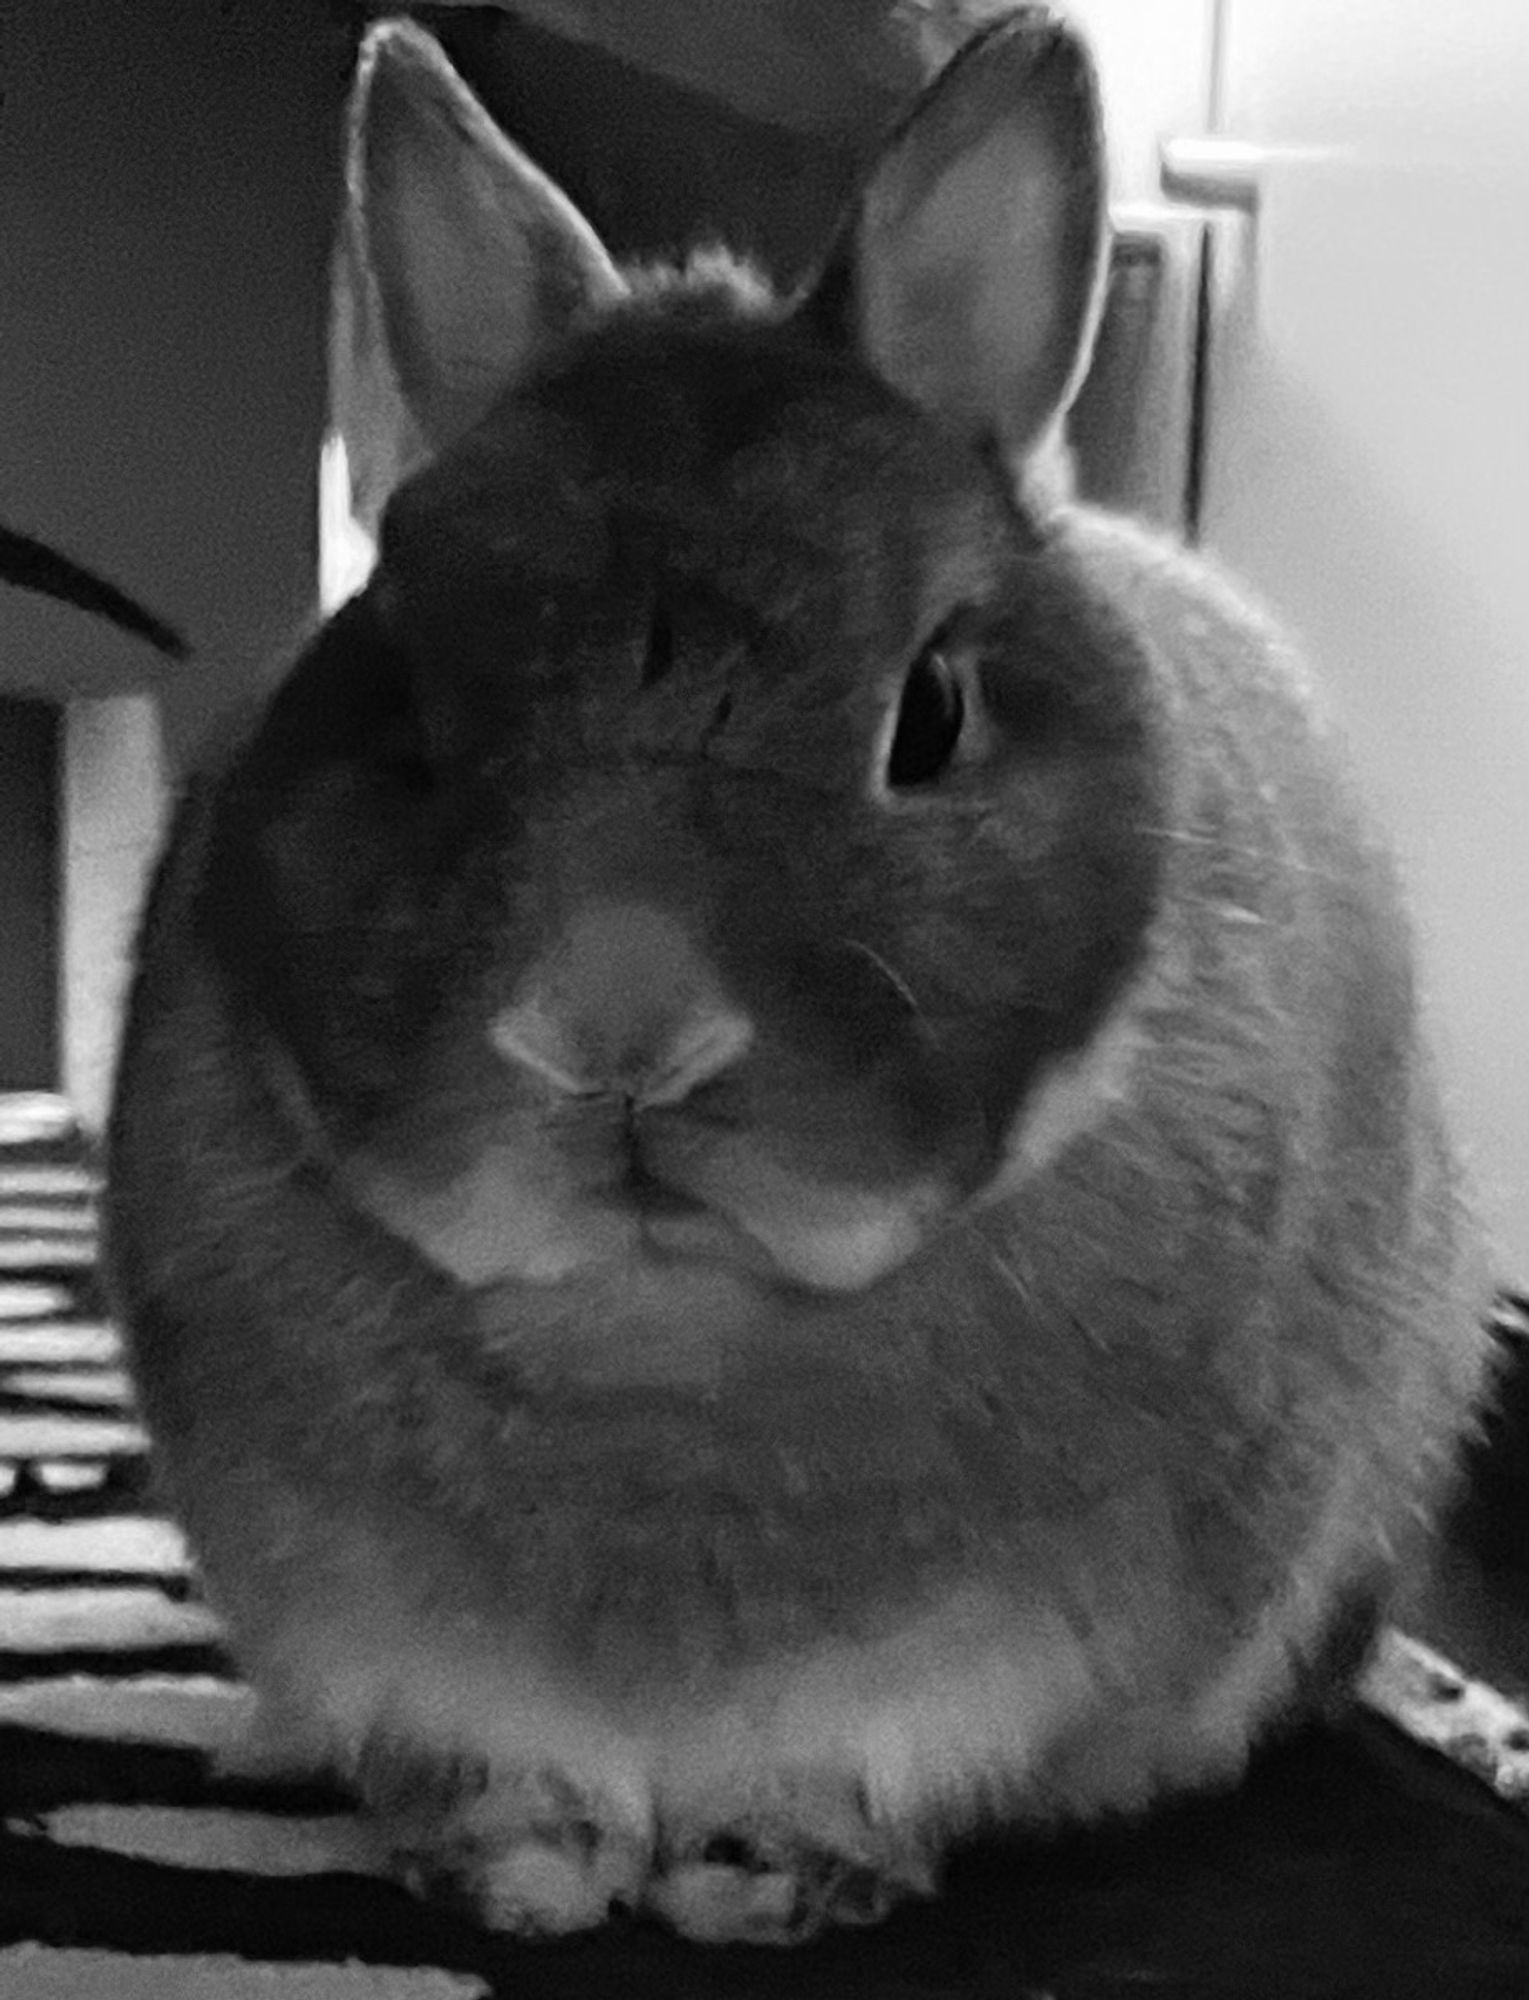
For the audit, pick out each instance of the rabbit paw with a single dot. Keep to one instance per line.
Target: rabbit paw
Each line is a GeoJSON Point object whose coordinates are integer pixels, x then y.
{"type": "Point", "coordinates": [732, 1893]}
{"type": "Point", "coordinates": [536, 1885]}
{"type": "Point", "coordinates": [522, 1852]}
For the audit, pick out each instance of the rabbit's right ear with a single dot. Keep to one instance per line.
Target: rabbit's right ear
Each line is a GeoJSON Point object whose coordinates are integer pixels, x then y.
{"type": "Point", "coordinates": [971, 274]}
{"type": "Point", "coordinates": [470, 259]}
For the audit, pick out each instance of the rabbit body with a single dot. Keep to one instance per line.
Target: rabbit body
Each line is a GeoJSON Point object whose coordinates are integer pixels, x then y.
{"type": "Point", "coordinates": [773, 1184]}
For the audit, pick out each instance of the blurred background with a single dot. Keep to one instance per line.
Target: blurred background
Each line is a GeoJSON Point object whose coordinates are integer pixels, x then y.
{"type": "Point", "coordinates": [1312, 364]}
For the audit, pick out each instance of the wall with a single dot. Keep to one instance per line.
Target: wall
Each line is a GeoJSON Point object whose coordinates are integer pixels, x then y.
{"type": "Point", "coordinates": [168, 177]}
{"type": "Point", "coordinates": [1154, 65]}
{"type": "Point", "coordinates": [29, 732]}
{"type": "Point", "coordinates": [114, 800]}
{"type": "Point", "coordinates": [1370, 470]}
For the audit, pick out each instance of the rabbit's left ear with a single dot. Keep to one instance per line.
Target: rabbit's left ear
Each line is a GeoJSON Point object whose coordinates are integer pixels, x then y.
{"type": "Point", "coordinates": [970, 275]}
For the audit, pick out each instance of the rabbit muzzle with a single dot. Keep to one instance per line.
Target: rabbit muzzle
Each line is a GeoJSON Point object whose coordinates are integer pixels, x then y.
{"type": "Point", "coordinates": [651, 1121]}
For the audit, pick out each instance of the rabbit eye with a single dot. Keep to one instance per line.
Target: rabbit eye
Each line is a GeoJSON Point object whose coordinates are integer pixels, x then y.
{"type": "Point", "coordinates": [929, 722]}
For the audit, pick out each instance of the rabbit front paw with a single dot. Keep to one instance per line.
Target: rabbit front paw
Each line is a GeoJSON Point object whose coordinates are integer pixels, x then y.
{"type": "Point", "coordinates": [542, 1884]}
{"type": "Point", "coordinates": [734, 1892]}
{"type": "Point", "coordinates": [525, 1852]}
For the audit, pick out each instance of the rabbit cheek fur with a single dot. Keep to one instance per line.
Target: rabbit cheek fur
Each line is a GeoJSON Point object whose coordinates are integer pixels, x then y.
{"type": "Point", "coordinates": [771, 1184]}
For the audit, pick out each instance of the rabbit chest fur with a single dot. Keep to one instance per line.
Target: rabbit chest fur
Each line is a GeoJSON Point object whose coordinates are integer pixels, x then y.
{"type": "Point", "coordinates": [773, 1183]}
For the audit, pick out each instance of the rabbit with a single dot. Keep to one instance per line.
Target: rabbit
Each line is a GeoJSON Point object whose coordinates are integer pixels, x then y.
{"type": "Point", "coordinates": [774, 1184]}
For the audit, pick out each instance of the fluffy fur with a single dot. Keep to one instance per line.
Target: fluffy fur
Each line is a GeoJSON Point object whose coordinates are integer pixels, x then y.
{"type": "Point", "coordinates": [719, 1306]}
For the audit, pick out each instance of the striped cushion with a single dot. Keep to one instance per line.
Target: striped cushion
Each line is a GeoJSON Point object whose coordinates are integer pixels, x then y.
{"type": "Point", "coordinates": [142, 1851]}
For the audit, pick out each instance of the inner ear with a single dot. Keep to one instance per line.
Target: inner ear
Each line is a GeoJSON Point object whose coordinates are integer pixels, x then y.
{"type": "Point", "coordinates": [970, 273]}
{"type": "Point", "coordinates": [474, 261]}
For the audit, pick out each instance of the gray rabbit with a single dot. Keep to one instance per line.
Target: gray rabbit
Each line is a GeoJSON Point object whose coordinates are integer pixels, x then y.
{"type": "Point", "coordinates": [773, 1184]}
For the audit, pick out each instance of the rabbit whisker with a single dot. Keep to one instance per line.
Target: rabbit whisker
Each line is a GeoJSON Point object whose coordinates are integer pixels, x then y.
{"type": "Point", "coordinates": [892, 976]}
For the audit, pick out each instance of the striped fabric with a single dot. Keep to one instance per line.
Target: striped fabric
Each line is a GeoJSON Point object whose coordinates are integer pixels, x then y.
{"type": "Point", "coordinates": [143, 1851]}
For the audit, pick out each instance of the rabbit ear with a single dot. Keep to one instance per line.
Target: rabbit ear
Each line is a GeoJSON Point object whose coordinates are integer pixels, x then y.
{"type": "Point", "coordinates": [970, 275]}
{"type": "Point", "coordinates": [472, 260]}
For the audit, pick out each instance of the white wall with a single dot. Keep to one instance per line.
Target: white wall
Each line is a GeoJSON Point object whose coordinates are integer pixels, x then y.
{"type": "Point", "coordinates": [1370, 469]}
{"type": "Point", "coordinates": [114, 806]}
{"type": "Point", "coordinates": [1154, 59]}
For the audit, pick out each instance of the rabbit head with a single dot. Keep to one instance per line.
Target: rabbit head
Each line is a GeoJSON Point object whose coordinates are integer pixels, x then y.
{"type": "Point", "coordinates": [720, 809]}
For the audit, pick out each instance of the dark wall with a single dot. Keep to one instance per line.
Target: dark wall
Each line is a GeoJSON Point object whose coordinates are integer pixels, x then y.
{"type": "Point", "coordinates": [657, 165]}
{"type": "Point", "coordinates": [29, 864]}
{"type": "Point", "coordinates": [168, 179]}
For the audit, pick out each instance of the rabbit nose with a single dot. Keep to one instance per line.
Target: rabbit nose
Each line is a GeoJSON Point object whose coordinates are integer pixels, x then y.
{"type": "Point", "coordinates": [622, 1002]}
